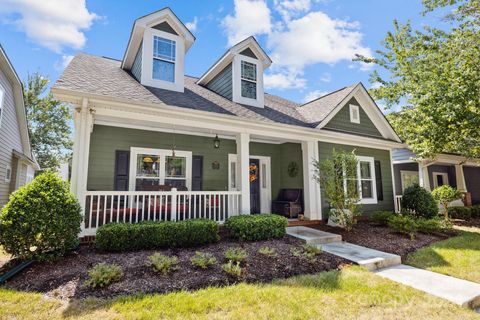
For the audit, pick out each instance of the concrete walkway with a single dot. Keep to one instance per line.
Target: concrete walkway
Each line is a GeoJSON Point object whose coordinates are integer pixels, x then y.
{"type": "Point", "coordinates": [387, 265]}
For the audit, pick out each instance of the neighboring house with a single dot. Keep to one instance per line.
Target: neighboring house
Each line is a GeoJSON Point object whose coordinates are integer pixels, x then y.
{"type": "Point", "coordinates": [17, 164]}
{"type": "Point", "coordinates": [226, 146]}
{"type": "Point", "coordinates": [454, 170]}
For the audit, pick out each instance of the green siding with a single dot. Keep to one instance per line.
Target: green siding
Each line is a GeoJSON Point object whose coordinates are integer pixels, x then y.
{"type": "Point", "coordinates": [325, 151]}
{"type": "Point", "coordinates": [106, 140]}
{"type": "Point", "coordinates": [222, 83]}
{"type": "Point", "coordinates": [341, 122]}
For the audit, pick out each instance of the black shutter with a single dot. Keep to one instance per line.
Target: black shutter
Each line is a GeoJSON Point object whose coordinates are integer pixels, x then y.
{"type": "Point", "coordinates": [378, 178]}
{"type": "Point", "coordinates": [197, 173]}
{"type": "Point", "coordinates": [122, 166]}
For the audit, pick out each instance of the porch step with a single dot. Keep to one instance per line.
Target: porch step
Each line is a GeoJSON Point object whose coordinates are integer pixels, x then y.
{"type": "Point", "coordinates": [458, 291]}
{"type": "Point", "coordinates": [369, 258]}
{"type": "Point", "coordinates": [313, 236]}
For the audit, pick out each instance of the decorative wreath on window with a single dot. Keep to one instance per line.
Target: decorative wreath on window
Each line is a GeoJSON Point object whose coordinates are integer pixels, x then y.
{"type": "Point", "coordinates": [292, 169]}
{"type": "Point", "coordinates": [253, 172]}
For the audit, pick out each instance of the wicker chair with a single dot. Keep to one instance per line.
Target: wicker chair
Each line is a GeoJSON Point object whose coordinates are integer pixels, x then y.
{"type": "Point", "coordinates": [289, 203]}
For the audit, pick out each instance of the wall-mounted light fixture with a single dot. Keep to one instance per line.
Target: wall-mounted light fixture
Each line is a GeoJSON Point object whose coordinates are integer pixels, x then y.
{"type": "Point", "coordinates": [216, 142]}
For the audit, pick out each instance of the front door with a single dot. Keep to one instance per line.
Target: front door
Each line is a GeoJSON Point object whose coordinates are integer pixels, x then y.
{"type": "Point", "coordinates": [254, 185]}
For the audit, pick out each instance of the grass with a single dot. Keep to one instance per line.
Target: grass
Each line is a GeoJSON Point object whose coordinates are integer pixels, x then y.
{"type": "Point", "coordinates": [457, 256]}
{"type": "Point", "coordinates": [352, 293]}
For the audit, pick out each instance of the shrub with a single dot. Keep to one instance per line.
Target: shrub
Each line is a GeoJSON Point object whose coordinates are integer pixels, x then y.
{"type": "Point", "coordinates": [464, 213]}
{"type": "Point", "coordinates": [420, 202]}
{"type": "Point", "coordinates": [119, 237]}
{"type": "Point", "coordinates": [267, 251]}
{"type": "Point", "coordinates": [233, 269]}
{"type": "Point", "coordinates": [103, 274]}
{"type": "Point", "coordinates": [256, 227]}
{"type": "Point", "coordinates": [163, 264]}
{"type": "Point", "coordinates": [404, 224]}
{"type": "Point", "coordinates": [203, 260]}
{"type": "Point", "coordinates": [475, 211]}
{"type": "Point", "coordinates": [430, 226]}
{"type": "Point", "coordinates": [446, 194]}
{"type": "Point", "coordinates": [41, 220]}
{"type": "Point", "coordinates": [381, 217]}
{"type": "Point", "coordinates": [307, 251]}
{"type": "Point", "coordinates": [235, 254]}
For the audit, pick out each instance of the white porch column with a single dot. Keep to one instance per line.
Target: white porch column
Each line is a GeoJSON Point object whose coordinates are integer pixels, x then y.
{"type": "Point", "coordinates": [311, 189]}
{"type": "Point", "coordinates": [76, 148]}
{"type": "Point", "coordinates": [423, 178]}
{"type": "Point", "coordinates": [243, 171]}
{"type": "Point", "coordinates": [461, 185]}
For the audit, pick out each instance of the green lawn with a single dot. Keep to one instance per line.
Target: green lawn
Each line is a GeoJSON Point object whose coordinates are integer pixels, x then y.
{"type": "Point", "coordinates": [457, 256]}
{"type": "Point", "coordinates": [352, 293]}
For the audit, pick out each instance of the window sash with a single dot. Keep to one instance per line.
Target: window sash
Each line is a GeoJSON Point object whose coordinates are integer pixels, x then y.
{"type": "Point", "coordinates": [249, 71]}
{"type": "Point", "coordinates": [363, 179]}
{"type": "Point", "coordinates": [164, 51]}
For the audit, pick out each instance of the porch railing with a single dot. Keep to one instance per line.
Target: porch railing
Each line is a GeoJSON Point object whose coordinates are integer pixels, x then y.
{"type": "Point", "coordinates": [102, 207]}
{"type": "Point", "coordinates": [398, 204]}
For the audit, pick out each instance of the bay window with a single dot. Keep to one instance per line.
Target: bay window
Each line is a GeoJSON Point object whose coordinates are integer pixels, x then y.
{"type": "Point", "coordinates": [248, 80]}
{"type": "Point", "coordinates": [163, 59]}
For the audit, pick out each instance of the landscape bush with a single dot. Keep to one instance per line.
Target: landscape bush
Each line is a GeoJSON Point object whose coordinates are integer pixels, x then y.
{"type": "Point", "coordinates": [419, 202]}
{"type": "Point", "coordinates": [464, 213]}
{"type": "Point", "coordinates": [41, 220]}
{"type": "Point", "coordinates": [163, 264]}
{"type": "Point", "coordinates": [444, 195]}
{"type": "Point", "coordinates": [120, 237]}
{"type": "Point", "coordinates": [236, 254]}
{"type": "Point", "coordinates": [381, 217]}
{"type": "Point", "coordinates": [103, 274]}
{"type": "Point", "coordinates": [307, 252]}
{"type": "Point", "coordinates": [203, 260]}
{"type": "Point", "coordinates": [268, 252]}
{"type": "Point", "coordinates": [404, 224]}
{"type": "Point", "coordinates": [256, 227]}
{"type": "Point", "coordinates": [232, 268]}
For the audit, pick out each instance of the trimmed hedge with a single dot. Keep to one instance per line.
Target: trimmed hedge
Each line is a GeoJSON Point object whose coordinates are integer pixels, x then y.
{"type": "Point", "coordinates": [119, 237]}
{"type": "Point", "coordinates": [256, 227]}
{"type": "Point", "coordinates": [464, 213]}
{"type": "Point", "coordinates": [419, 202]}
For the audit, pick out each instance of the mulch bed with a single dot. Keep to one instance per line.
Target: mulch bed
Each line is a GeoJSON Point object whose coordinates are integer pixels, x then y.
{"type": "Point", "coordinates": [374, 236]}
{"type": "Point", "coordinates": [64, 279]}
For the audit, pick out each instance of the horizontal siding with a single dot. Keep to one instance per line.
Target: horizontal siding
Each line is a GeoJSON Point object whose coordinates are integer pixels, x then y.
{"type": "Point", "coordinates": [325, 152]}
{"type": "Point", "coordinates": [222, 83]}
{"type": "Point", "coordinates": [9, 136]}
{"type": "Point", "coordinates": [341, 122]}
{"type": "Point", "coordinates": [449, 170]}
{"type": "Point", "coordinates": [398, 179]}
{"type": "Point", "coordinates": [402, 154]}
{"type": "Point", "coordinates": [137, 64]}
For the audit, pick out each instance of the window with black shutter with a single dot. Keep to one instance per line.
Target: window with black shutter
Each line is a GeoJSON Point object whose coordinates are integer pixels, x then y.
{"type": "Point", "coordinates": [378, 178]}
{"type": "Point", "coordinates": [122, 166]}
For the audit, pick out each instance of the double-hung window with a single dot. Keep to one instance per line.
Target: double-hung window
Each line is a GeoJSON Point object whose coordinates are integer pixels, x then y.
{"type": "Point", "coordinates": [366, 180]}
{"type": "Point", "coordinates": [249, 80]}
{"type": "Point", "coordinates": [163, 59]}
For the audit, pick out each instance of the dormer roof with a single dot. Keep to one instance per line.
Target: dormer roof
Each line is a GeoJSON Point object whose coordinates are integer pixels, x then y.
{"type": "Point", "coordinates": [248, 47]}
{"type": "Point", "coordinates": [163, 19]}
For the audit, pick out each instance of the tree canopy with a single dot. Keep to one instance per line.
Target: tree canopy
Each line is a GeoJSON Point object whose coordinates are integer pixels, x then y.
{"type": "Point", "coordinates": [48, 123]}
{"type": "Point", "coordinates": [433, 76]}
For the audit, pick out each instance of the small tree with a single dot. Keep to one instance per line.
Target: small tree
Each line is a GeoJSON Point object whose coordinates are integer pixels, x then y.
{"type": "Point", "coordinates": [419, 203]}
{"type": "Point", "coordinates": [338, 176]}
{"type": "Point", "coordinates": [446, 194]}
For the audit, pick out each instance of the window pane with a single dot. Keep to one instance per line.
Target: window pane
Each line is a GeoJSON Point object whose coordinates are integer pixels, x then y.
{"type": "Point", "coordinates": [148, 165]}
{"type": "Point", "coordinates": [365, 171]}
{"type": "Point", "coordinates": [249, 71]}
{"type": "Point", "coordinates": [367, 189]}
{"type": "Point", "coordinates": [163, 70]}
{"type": "Point", "coordinates": [163, 48]}
{"type": "Point", "coordinates": [175, 167]}
{"type": "Point", "coordinates": [233, 175]}
{"type": "Point", "coordinates": [249, 89]}
{"type": "Point", "coordinates": [352, 184]}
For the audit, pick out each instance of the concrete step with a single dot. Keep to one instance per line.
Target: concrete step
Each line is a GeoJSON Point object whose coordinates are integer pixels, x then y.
{"type": "Point", "coordinates": [458, 291]}
{"type": "Point", "coordinates": [369, 258]}
{"type": "Point", "coordinates": [313, 236]}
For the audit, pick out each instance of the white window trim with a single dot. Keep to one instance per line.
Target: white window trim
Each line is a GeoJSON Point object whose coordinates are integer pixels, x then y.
{"type": "Point", "coordinates": [406, 172]}
{"type": "Point", "coordinates": [354, 108]}
{"type": "Point", "coordinates": [8, 177]}
{"type": "Point", "coordinates": [2, 100]}
{"type": "Point", "coordinates": [237, 82]}
{"type": "Point", "coordinates": [162, 153]}
{"type": "Point", "coordinates": [371, 161]}
{"type": "Point", "coordinates": [443, 174]}
{"type": "Point", "coordinates": [147, 61]}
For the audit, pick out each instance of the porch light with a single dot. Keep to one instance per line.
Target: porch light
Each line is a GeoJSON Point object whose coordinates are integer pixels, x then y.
{"type": "Point", "coordinates": [216, 142]}
{"type": "Point", "coordinates": [147, 160]}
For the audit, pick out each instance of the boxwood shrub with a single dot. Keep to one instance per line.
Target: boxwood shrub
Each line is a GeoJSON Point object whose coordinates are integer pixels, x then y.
{"type": "Point", "coordinates": [256, 227]}
{"type": "Point", "coordinates": [464, 213]}
{"type": "Point", "coordinates": [419, 202]}
{"type": "Point", "coordinates": [119, 237]}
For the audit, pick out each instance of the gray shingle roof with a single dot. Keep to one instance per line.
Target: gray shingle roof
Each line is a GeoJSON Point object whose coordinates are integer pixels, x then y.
{"type": "Point", "coordinates": [104, 77]}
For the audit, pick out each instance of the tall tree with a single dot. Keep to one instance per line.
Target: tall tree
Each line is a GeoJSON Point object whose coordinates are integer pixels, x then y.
{"type": "Point", "coordinates": [433, 75]}
{"type": "Point", "coordinates": [48, 123]}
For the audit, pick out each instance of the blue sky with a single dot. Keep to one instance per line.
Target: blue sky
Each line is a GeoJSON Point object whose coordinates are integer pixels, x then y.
{"type": "Point", "coordinates": [310, 41]}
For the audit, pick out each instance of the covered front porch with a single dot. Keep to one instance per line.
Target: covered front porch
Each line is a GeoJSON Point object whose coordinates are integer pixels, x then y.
{"type": "Point", "coordinates": [172, 172]}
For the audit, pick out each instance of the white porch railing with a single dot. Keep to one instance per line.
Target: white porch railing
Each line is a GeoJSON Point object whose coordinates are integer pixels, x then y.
{"type": "Point", "coordinates": [398, 204]}
{"type": "Point", "coordinates": [102, 207]}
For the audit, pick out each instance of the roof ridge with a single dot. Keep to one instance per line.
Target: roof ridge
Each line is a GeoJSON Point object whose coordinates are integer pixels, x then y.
{"type": "Point", "coordinates": [328, 94]}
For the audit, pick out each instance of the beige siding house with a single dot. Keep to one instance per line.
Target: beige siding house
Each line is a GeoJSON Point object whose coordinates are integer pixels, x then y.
{"type": "Point", "coordinates": [17, 165]}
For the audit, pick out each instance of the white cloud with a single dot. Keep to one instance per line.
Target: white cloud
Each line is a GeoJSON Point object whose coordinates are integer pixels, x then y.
{"type": "Point", "coordinates": [63, 63]}
{"type": "Point", "coordinates": [55, 24]}
{"type": "Point", "coordinates": [284, 81]}
{"type": "Point", "coordinates": [192, 26]}
{"type": "Point", "coordinates": [326, 77]}
{"type": "Point", "coordinates": [375, 85]}
{"type": "Point", "coordinates": [291, 8]}
{"type": "Point", "coordinates": [251, 17]}
{"type": "Point", "coordinates": [312, 95]}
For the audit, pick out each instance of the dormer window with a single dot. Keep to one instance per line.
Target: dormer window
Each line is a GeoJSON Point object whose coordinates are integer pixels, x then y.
{"type": "Point", "coordinates": [249, 80]}
{"type": "Point", "coordinates": [163, 59]}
